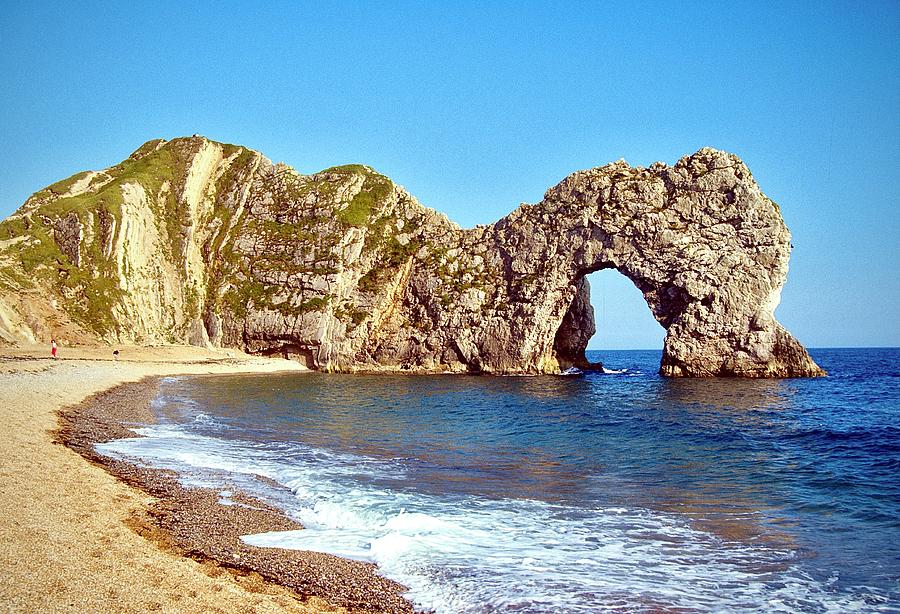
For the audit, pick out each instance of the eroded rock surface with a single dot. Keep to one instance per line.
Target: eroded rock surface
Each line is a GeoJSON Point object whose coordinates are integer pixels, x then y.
{"type": "Point", "coordinates": [201, 242]}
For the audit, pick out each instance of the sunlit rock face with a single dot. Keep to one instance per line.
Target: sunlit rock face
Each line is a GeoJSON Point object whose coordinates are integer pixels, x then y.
{"type": "Point", "coordinates": [206, 243]}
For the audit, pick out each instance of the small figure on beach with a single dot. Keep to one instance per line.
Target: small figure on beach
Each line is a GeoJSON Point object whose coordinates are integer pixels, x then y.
{"type": "Point", "coordinates": [115, 354]}
{"type": "Point", "coordinates": [53, 348]}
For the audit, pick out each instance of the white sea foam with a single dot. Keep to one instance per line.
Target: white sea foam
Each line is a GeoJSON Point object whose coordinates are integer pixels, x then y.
{"type": "Point", "coordinates": [473, 554]}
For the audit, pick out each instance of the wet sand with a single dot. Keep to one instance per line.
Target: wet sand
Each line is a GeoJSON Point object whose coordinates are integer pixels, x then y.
{"type": "Point", "coordinates": [75, 538]}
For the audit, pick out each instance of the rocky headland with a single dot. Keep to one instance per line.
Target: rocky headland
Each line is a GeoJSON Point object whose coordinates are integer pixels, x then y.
{"type": "Point", "coordinates": [194, 241]}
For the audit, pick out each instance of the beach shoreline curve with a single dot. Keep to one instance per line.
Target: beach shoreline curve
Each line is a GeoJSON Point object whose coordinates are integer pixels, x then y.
{"type": "Point", "coordinates": [92, 537]}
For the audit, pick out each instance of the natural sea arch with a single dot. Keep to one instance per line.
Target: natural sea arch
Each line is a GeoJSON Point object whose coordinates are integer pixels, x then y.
{"type": "Point", "coordinates": [705, 247]}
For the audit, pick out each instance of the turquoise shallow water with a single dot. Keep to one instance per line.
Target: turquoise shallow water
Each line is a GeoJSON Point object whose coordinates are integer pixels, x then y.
{"type": "Point", "coordinates": [612, 492]}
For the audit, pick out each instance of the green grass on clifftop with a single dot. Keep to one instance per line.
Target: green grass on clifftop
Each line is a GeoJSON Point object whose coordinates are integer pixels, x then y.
{"type": "Point", "coordinates": [376, 188]}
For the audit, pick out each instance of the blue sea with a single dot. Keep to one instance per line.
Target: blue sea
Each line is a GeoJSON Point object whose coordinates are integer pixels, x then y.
{"type": "Point", "coordinates": [620, 491]}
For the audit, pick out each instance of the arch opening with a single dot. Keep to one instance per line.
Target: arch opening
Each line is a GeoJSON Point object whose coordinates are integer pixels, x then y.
{"type": "Point", "coordinates": [623, 318]}
{"type": "Point", "coordinates": [607, 313]}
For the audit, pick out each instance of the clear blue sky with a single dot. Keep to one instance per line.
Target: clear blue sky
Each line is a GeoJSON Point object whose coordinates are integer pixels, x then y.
{"type": "Point", "coordinates": [476, 109]}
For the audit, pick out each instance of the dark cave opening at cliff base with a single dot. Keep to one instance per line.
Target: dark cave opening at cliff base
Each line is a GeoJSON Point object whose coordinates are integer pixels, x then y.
{"type": "Point", "coordinates": [622, 319]}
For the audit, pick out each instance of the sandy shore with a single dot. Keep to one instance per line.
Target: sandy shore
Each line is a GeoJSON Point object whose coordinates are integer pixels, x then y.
{"type": "Point", "coordinates": [70, 533]}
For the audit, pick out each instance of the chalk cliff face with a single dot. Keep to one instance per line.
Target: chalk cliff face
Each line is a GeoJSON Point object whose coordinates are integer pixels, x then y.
{"type": "Point", "coordinates": [196, 241]}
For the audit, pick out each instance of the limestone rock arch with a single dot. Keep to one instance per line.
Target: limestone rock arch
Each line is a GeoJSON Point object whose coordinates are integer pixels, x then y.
{"type": "Point", "coordinates": [708, 250]}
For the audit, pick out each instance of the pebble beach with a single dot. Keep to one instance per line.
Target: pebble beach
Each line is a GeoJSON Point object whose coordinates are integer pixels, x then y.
{"type": "Point", "coordinates": [74, 537]}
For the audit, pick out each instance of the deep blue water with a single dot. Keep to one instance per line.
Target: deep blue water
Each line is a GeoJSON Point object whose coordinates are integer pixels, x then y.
{"type": "Point", "coordinates": [612, 492]}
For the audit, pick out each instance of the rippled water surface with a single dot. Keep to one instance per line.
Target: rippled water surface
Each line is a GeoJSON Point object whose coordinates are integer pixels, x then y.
{"type": "Point", "coordinates": [612, 492]}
